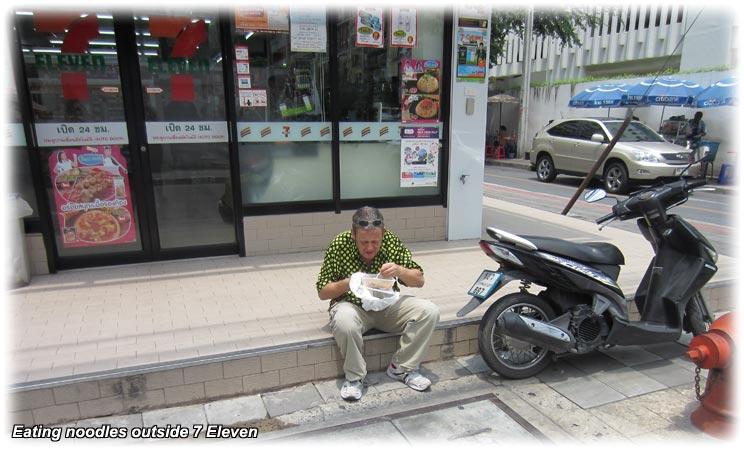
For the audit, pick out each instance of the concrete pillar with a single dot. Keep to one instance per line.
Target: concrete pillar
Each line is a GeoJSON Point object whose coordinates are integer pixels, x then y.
{"type": "Point", "coordinates": [467, 142]}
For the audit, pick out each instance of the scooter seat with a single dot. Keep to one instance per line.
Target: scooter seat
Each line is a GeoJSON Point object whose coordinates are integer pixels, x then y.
{"type": "Point", "coordinates": [589, 252]}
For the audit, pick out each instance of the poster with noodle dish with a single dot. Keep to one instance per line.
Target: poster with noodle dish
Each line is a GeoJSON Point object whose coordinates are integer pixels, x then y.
{"type": "Point", "coordinates": [421, 90]}
{"type": "Point", "coordinates": [92, 196]}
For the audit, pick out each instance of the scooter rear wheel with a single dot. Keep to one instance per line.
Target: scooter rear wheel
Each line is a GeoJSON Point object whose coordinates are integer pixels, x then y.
{"type": "Point", "coordinates": [507, 356]}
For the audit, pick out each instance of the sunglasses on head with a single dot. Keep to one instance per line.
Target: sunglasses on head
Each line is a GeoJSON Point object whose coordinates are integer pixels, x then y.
{"type": "Point", "coordinates": [364, 223]}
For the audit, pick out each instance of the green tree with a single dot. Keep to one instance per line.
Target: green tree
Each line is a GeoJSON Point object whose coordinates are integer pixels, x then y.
{"type": "Point", "coordinates": [564, 24]}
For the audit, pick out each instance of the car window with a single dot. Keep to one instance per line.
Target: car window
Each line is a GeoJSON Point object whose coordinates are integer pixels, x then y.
{"type": "Point", "coordinates": [569, 129]}
{"type": "Point", "coordinates": [636, 132]}
{"type": "Point", "coordinates": [590, 128]}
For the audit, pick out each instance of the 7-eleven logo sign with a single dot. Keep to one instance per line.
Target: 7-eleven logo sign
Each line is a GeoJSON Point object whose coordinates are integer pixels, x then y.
{"type": "Point", "coordinates": [189, 34]}
{"type": "Point", "coordinates": [79, 28]}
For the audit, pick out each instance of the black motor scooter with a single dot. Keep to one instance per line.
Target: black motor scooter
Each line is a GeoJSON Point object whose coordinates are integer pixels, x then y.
{"type": "Point", "coordinates": [582, 307]}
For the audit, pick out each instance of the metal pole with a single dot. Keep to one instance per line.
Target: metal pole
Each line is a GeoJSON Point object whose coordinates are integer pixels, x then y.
{"type": "Point", "coordinates": [526, 75]}
{"type": "Point", "coordinates": [600, 161]}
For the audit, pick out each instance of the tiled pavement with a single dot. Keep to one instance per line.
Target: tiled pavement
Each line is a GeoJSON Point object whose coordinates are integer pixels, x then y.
{"type": "Point", "coordinates": [86, 321]}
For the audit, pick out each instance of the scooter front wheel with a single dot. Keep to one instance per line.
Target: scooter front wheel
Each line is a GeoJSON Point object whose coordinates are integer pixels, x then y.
{"type": "Point", "coordinates": [697, 318]}
{"type": "Point", "coordinates": [507, 356]}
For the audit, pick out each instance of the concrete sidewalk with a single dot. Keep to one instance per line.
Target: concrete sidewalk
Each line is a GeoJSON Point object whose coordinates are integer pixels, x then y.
{"type": "Point", "coordinates": [631, 395]}
{"type": "Point", "coordinates": [96, 342]}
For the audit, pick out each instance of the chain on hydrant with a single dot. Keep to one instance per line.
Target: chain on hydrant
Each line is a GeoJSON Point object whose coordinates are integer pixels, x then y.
{"type": "Point", "coordinates": [714, 351]}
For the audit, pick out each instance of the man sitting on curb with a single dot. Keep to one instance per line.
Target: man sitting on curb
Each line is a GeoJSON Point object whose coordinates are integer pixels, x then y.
{"type": "Point", "coordinates": [369, 248]}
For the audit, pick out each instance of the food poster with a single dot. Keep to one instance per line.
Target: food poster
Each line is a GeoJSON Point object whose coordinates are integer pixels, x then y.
{"type": "Point", "coordinates": [370, 28]}
{"type": "Point", "coordinates": [92, 195]}
{"type": "Point", "coordinates": [403, 27]}
{"type": "Point", "coordinates": [472, 49]}
{"type": "Point", "coordinates": [421, 90]}
{"type": "Point", "coordinates": [419, 162]}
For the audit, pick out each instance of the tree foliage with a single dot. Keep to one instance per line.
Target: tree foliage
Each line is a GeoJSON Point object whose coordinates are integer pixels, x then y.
{"type": "Point", "coordinates": [564, 24]}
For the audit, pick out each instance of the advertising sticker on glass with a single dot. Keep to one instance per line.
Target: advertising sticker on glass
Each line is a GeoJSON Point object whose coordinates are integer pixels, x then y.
{"type": "Point", "coordinates": [419, 162]}
{"type": "Point", "coordinates": [308, 29]}
{"type": "Point", "coordinates": [403, 27]}
{"type": "Point", "coordinates": [370, 28]}
{"type": "Point", "coordinates": [421, 90]}
{"type": "Point", "coordinates": [472, 41]}
{"type": "Point", "coordinates": [92, 196]}
{"type": "Point", "coordinates": [252, 98]}
{"type": "Point", "coordinates": [271, 19]}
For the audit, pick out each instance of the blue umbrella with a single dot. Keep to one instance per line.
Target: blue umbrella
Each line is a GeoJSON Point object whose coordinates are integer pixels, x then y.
{"type": "Point", "coordinates": [602, 96]}
{"type": "Point", "coordinates": [662, 91]}
{"type": "Point", "coordinates": [720, 93]}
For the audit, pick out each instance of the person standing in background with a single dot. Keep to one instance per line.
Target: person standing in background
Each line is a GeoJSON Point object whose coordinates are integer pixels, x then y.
{"type": "Point", "coordinates": [696, 130]}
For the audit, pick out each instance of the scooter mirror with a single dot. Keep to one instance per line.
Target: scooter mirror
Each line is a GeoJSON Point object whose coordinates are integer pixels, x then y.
{"type": "Point", "coordinates": [595, 195]}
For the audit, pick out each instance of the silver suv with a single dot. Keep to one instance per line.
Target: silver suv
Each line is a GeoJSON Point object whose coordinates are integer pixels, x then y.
{"type": "Point", "coordinates": [641, 156]}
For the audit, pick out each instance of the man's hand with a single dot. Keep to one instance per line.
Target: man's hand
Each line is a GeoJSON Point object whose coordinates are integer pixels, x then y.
{"type": "Point", "coordinates": [411, 277]}
{"type": "Point", "coordinates": [334, 289]}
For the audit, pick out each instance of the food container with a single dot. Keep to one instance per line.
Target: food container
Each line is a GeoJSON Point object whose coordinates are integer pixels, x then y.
{"type": "Point", "coordinates": [376, 292]}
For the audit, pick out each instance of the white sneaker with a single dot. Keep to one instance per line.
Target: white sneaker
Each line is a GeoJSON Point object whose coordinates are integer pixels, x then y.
{"type": "Point", "coordinates": [351, 390]}
{"type": "Point", "coordinates": [411, 378]}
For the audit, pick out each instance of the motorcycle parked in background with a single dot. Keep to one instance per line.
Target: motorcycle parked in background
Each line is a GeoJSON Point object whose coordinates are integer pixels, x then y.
{"type": "Point", "coordinates": [582, 308]}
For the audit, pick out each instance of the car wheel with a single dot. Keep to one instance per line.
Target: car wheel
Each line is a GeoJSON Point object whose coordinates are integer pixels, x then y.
{"type": "Point", "coordinates": [616, 178]}
{"type": "Point", "coordinates": [545, 169]}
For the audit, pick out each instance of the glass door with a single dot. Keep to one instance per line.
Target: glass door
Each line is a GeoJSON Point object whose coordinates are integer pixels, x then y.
{"type": "Point", "coordinates": [182, 84]}
{"type": "Point", "coordinates": [84, 150]}
{"type": "Point", "coordinates": [131, 134]}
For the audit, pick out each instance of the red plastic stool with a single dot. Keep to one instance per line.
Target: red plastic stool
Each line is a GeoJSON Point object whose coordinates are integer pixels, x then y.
{"type": "Point", "coordinates": [495, 151]}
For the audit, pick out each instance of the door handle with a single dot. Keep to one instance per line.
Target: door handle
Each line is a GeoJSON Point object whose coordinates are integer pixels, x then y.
{"type": "Point", "coordinates": [143, 148]}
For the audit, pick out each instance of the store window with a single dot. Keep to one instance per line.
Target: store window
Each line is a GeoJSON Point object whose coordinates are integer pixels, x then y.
{"type": "Point", "coordinates": [284, 96]}
{"type": "Point", "coordinates": [382, 51]}
{"type": "Point", "coordinates": [282, 88]}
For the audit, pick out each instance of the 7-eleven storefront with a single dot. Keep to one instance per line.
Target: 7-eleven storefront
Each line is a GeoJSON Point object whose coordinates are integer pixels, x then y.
{"type": "Point", "coordinates": [162, 134]}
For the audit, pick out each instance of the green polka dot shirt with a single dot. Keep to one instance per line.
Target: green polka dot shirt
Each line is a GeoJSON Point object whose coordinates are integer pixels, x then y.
{"type": "Point", "coordinates": [342, 259]}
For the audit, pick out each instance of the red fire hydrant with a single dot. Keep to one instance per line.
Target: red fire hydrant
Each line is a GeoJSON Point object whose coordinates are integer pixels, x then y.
{"type": "Point", "coordinates": [714, 351]}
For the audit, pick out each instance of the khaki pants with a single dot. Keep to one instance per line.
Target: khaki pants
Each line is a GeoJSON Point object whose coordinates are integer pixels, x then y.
{"type": "Point", "coordinates": [415, 318]}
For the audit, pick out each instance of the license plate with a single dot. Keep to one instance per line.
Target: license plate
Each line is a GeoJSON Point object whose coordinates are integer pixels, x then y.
{"type": "Point", "coordinates": [485, 284]}
{"type": "Point", "coordinates": [680, 171]}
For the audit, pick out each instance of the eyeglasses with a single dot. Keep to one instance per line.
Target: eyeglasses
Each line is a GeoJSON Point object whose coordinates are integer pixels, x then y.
{"type": "Point", "coordinates": [364, 223]}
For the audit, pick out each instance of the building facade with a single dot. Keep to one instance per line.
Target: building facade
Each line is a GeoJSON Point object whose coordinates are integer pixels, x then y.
{"type": "Point", "coordinates": [631, 39]}
{"type": "Point", "coordinates": [158, 134]}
